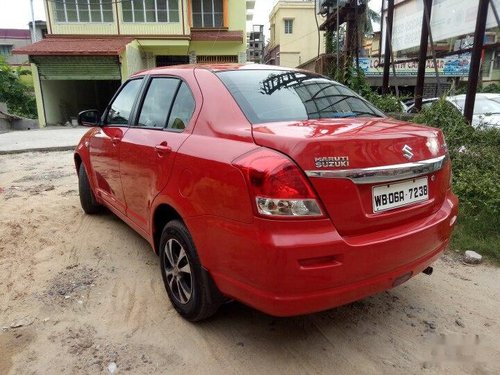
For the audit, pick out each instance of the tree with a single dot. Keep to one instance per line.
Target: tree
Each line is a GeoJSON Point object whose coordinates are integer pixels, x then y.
{"type": "Point", "coordinates": [19, 98]}
{"type": "Point", "coordinates": [358, 18]}
{"type": "Point", "coordinates": [369, 18]}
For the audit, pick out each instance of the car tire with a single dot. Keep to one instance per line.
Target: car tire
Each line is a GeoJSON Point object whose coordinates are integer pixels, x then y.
{"type": "Point", "coordinates": [189, 286]}
{"type": "Point", "coordinates": [87, 198]}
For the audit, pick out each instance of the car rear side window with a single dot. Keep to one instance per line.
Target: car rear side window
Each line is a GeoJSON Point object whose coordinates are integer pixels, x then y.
{"type": "Point", "coordinates": [120, 109]}
{"type": "Point", "coordinates": [276, 95]}
{"type": "Point", "coordinates": [157, 103]}
{"type": "Point", "coordinates": [182, 110]}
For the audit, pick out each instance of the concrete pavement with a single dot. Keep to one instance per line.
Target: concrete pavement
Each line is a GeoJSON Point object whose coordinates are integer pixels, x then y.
{"type": "Point", "coordinates": [57, 138]}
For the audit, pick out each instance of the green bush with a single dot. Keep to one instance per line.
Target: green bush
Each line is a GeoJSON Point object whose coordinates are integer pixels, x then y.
{"type": "Point", "coordinates": [386, 103]}
{"type": "Point", "coordinates": [493, 88]}
{"type": "Point", "coordinates": [19, 97]}
{"type": "Point", "coordinates": [475, 155]}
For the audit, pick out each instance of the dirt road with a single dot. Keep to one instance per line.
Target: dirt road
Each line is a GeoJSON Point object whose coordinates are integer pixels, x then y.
{"type": "Point", "coordinates": [83, 294]}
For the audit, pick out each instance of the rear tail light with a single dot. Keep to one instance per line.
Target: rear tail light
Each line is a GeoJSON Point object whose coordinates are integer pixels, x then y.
{"type": "Point", "coordinates": [277, 185]}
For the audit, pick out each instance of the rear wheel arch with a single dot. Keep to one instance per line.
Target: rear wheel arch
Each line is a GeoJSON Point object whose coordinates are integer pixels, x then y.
{"type": "Point", "coordinates": [163, 214]}
{"type": "Point", "coordinates": [78, 161]}
{"type": "Point", "coordinates": [189, 286]}
{"type": "Point", "coordinates": [87, 198]}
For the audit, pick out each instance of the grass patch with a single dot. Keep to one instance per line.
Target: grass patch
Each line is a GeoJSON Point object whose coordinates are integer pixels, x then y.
{"type": "Point", "coordinates": [479, 233]}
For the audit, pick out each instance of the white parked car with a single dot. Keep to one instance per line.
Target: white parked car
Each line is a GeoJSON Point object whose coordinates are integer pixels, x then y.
{"type": "Point", "coordinates": [486, 108]}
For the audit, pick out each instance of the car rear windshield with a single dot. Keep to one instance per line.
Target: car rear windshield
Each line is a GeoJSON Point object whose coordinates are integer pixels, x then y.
{"type": "Point", "coordinates": [275, 95]}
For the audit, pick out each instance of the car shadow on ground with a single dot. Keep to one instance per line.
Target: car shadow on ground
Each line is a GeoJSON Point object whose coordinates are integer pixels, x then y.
{"type": "Point", "coordinates": [403, 303]}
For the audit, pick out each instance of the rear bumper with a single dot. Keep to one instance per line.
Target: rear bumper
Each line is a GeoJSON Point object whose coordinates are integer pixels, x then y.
{"type": "Point", "coordinates": [325, 299]}
{"type": "Point", "coordinates": [287, 268]}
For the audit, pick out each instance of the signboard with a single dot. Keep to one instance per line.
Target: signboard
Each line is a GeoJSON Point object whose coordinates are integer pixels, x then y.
{"type": "Point", "coordinates": [449, 18]}
{"type": "Point", "coordinates": [453, 66]}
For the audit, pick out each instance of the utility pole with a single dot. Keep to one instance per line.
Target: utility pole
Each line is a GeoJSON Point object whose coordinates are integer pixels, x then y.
{"type": "Point", "coordinates": [337, 52]}
{"type": "Point", "coordinates": [356, 32]}
{"type": "Point", "coordinates": [381, 32]}
{"type": "Point", "coordinates": [422, 57]}
{"type": "Point", "coordinates": [387, 53]}
{"type": "Point", "coordinates": [33, 32]}
{"type": "Point", "coordinates": [475, 63]}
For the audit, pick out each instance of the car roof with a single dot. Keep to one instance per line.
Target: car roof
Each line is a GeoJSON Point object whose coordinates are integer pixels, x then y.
{"type": "Point", "coordinates": [216, 68]}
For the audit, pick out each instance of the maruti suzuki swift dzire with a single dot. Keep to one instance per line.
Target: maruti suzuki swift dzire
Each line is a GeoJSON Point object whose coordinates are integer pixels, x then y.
{"type": "Point", "coordinates": [275, 187]}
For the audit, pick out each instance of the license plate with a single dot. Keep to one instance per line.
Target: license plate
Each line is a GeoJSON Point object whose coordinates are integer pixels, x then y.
{"type": "Point", "coordinates": [390, 196]}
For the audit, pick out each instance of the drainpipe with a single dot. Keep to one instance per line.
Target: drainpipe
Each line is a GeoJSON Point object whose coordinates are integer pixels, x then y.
{"type": "Point", "coordinates": [117, 18]}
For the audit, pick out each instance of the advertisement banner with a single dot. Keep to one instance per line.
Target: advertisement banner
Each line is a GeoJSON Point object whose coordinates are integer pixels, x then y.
{"type": "Point", "coordinates": [452, 66]}
{"type": "Point", "coordinates": [449, 18]}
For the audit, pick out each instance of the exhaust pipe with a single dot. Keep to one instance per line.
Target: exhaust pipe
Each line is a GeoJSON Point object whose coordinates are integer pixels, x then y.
{"type": "Point", "coordinates": [428, 271]}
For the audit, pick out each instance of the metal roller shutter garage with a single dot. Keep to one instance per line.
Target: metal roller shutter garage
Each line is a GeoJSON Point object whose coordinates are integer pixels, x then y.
{"type": "Point", "coordinates": [78, 67]}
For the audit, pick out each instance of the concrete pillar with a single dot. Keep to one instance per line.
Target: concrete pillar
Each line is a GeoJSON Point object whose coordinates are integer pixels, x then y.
{"type": "Point", "coordinates": [40, 108]}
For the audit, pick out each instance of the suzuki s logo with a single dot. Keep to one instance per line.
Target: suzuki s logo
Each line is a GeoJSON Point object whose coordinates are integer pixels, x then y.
{"type": "Point", "coordinates": [407, 152]}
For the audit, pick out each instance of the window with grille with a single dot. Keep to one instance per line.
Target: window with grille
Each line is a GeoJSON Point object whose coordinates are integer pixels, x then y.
{"type": "Point", "coordinates": [216, 59]}
{"type": "Point", "coordinates": [5, 50]}
{"type": "Point", "coordinates": [84, 10]}
{"type": "Point", "coordinates": [208, 13]}
{"type": "Point", "coordinates": [288, 26]}
{"type": "Point", "coordinates": [150, 10]}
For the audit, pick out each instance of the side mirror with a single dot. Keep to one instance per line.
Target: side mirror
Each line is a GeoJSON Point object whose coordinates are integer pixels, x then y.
{"type": "Point", "coordinates": [89, 118]}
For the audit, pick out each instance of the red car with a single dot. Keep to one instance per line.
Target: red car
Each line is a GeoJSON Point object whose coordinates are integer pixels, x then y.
{"type": "Point", "coordinates": [275, 187]}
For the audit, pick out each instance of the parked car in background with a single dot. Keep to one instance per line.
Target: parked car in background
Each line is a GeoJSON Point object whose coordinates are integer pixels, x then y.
{"type": "Point", "coordinates": [275, 187]}
{"type": "Point", "coordinates": [486, 108]}
{"type": "Point", "coordinates": [491, 96]}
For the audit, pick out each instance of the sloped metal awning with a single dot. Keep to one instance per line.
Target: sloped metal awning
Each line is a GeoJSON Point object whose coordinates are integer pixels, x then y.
{"type": "Point", "coordinates": [77, 58]}
{"type": "Point", "coordinates": [76, 46]}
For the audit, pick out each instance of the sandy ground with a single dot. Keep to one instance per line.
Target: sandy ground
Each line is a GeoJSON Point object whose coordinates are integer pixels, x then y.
{"type": "Point", "coordinates": [81, 294]}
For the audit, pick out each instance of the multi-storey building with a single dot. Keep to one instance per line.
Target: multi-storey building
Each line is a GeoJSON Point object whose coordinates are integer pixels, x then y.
{"type": "Point", "coordinates": [93, 46]}
{"type": "Point", "coordinates": [255, 49]}
{"type": "Point", "coordinates": [11, 39]}
{"type": "Point", "coordinates": [294, 33]}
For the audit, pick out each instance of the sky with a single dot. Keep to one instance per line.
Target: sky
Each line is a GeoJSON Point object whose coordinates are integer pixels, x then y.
{"type": "Point", "coordinates": [16, 14]}
{"type": "Point", "coordinates": [261, 14]}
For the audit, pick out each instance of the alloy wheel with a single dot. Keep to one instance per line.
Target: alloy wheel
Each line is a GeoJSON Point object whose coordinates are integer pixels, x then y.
{"type": "Point", "coordinates": [178, 271]}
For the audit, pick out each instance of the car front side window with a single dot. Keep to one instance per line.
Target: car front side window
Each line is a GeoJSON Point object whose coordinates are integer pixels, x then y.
{"type": "Point", "coordinates": [121, 108]}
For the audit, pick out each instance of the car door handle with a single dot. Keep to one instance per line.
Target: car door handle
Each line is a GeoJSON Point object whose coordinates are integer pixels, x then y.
{"type": "Point", "coordinates": [163, 148]}
{"type": "Point", "coordinates": [115, 140]}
